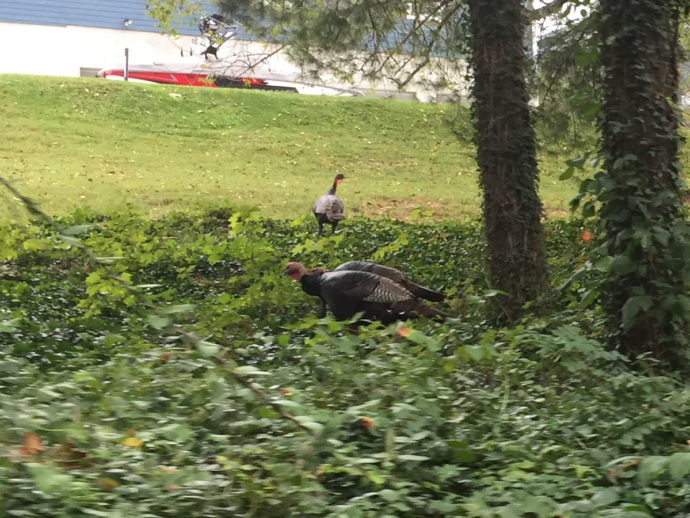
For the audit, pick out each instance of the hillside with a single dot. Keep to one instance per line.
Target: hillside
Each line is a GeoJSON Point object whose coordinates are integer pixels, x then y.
{"type": "Point", "coordinates": [90, 142]}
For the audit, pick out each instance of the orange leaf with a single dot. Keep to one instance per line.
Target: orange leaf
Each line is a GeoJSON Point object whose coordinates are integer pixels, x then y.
{"type": "Point", "coordinates": [404, 331]}
{"type": "Point", "coordinates": [368, 423]}
{"type": "Point", "coordinates": [32, 444]}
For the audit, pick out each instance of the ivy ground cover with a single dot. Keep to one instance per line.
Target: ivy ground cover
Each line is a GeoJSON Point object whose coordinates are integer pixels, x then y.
{"type": "Point", "coordinates": [110, 409]}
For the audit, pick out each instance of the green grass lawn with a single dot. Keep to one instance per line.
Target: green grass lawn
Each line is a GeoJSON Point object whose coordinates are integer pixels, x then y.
{"type": "Point", "coordinates": [101, 144]}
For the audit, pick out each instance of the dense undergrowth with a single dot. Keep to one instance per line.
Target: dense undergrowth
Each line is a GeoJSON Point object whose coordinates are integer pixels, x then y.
{"type": "Point", "coordinates": [107, 411]}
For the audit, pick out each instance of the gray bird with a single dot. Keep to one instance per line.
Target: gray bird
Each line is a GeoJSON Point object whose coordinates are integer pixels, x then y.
{"type": "Point", "coordinates": [328, 207]}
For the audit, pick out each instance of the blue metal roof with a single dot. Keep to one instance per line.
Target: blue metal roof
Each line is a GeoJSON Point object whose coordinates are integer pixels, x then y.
{"type": "Point", "coordinates": [109, 14]}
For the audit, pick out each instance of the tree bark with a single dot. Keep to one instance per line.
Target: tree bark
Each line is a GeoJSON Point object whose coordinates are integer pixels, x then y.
{"type": "Point", "coordinates": [642, 201]}
{"type": "Point", "coordinates": [506, 153]}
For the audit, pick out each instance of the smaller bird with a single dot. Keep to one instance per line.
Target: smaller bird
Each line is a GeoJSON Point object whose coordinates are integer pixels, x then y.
{"type": "Point", "coordinates": [349, 292]}
{"type": "Point", "coordinates": [396, 276]}
{"type": "Point", "coordinates": [328, 207]}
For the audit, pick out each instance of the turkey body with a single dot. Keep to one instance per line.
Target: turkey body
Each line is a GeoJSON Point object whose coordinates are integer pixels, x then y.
{"type": "Point", "coordinates": [396, 276]}
{"type": "Point", "coordinates": [329, 209]}
{"type": "Point", "coordinates": [349, 292]}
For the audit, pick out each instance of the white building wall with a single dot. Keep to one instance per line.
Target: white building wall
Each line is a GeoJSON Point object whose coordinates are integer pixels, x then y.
{"type": "Point", "coordinates": [65, 50]}
{"type": "Point", "coordinates": [75, 51]}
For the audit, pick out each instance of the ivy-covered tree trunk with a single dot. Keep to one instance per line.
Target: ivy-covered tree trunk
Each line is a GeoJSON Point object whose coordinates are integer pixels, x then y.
{"type": "Point", "coordinates": [641, 188]}
{"type": "Point", "coordinates": [507, 153]}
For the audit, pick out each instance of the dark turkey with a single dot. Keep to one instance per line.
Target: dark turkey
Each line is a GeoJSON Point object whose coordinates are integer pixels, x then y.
{"type": "Point", "coordinates": [349, 292]}
{"type": "Point", "coordinates": [396, 276]}
{"type": "Point", "coordinates": [328, 207]}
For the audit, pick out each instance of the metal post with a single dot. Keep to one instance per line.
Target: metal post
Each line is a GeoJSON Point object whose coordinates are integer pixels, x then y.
{"type": "Point", "coordinates": [126, 64]}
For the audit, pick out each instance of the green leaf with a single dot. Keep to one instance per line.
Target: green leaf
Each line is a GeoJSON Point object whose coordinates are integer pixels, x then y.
{"type": "Point", "coordinates": [179, 308]}
{"type": "Point", "coordinates": [268, 413]}
{"type": "Point", "coordinates": [250, 370]}
{"type": "Point", "coordinates": [287, 402]}
{"type": "Point", "coordinates": [604, 264]}
{"type": "Point", "coordinates": [70, 240]}
{"type": "Point", "coordinates": [309, 423]}
{"type": "Point", "coordinates": [389, 495]}
{"type": "Point", "coordinates": [679, 465]}
{"type": "Point", "coordinates": [207, 349]}
{"type": "Point", "coordinates": [567, 174]}
{"type": "Point", "coordinates": [415, 458]}
{"type": "Point", "coordinates": [650, 468]}
{"type": "Point", "coordinates": [421, 339]}
{"type": "Point", "coordinates": [95, 512]}
{"type": "Point", "coordinates": [633, 306]}
{"type": "Point", "coordinates": [76, 230]}
{"type": "Point", "coordinates": [357, 410]}
{"type": "Point", "coordinates": [376, 478]}
{"type": "Point", "coordinates": [179, 432]}
{"type": "Point", "coordinates": [109, 260]}
{"type": "Point", "coordinates": [588, 298]}
{"type": "Point", "coordinates": [476, 352]}
{"type": "Point", "coordinates": [157, 321]}
{"type": "Point", "coordinates": [636, 511]}
{"type": "Point", "coordinates": [49, 479]}
{"type": "Point", "coordinates": [588, 209]}
{"type": "Point", "coordinates": [605, 497]}
{"type": "Point", "coordinates": [591, 110]}
{"type": "Point", "coordinates": [10, 325]}
{"type": "Point", "coordinates": [583, 472]}
{"type": "Point", "coordinates": [33, 245]}
{"type": "Point", "coordinates": [449, 364]}
{"type": "Point", "coordinates": [622, 264]}
{"type": "Point", "coordinates": [494, 293]}
{"type": "Point", "coordinates": [462, 451]}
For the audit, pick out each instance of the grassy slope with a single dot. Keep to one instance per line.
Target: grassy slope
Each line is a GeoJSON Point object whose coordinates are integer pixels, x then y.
{"type": "Point", "coordinates": [71, 142]}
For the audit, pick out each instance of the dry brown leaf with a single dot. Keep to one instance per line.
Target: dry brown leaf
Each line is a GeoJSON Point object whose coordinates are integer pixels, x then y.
{"type": "Point", "coordinates": [32, 444]}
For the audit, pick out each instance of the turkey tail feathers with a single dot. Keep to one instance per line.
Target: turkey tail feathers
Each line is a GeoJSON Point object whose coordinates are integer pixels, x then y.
{"type": "Point", "coordinates": [395, 275]}
{"type": "Point", "coordinates": [431, 313]}
{"type": "Point", "coordinates": [424, 292]}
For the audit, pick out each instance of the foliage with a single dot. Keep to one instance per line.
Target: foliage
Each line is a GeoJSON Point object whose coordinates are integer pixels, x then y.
{"type": "Point", "coordinates": [567, 79]}
{"type": "Point", "coordinates": [641, 189]}
{"type": "Point", "coordinates": [173, 14]}
{"type": "Point", "coordinates": [106, 412]}
{"type": "Point", "coordinates": [401, 41]}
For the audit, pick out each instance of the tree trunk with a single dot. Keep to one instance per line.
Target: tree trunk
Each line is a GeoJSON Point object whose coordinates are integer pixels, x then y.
{"type": "Point", "coordinates": [641, 189]}
{"type": "Point", "coordinates": [506, 153]}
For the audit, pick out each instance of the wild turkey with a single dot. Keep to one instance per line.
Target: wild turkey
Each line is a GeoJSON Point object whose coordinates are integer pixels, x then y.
{"type": "Point", "coordinates": [396, 276]}
{"type": "Point", "coordinates": [349, 292]}
{"type": "Point", "coordinates": [328, 207]}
